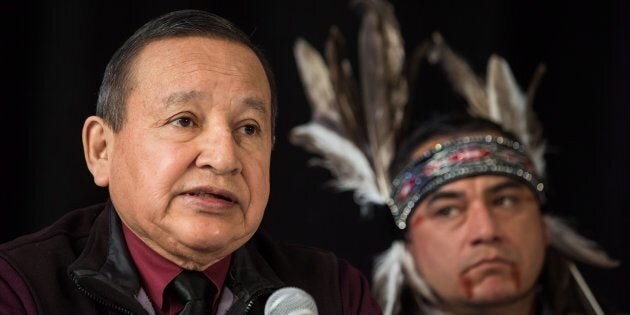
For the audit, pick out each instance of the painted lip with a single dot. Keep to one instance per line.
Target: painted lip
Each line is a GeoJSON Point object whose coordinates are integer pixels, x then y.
{"type": "Point", "coordinates": [212, 193]}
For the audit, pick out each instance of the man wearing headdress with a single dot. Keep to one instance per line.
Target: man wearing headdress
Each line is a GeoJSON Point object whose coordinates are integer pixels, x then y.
{"type": "Point", "coordinates": [470, 205]}
{"type": "Point", "coordinates": [467, 192]}
{"type": "Point", "coordinates": [468, 200]}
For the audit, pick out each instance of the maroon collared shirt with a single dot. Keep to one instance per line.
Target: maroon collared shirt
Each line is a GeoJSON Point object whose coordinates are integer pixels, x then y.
{"type": "Point", "coordinates": [156, 272]}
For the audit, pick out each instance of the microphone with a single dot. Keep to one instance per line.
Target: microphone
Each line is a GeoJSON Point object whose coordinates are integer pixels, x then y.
{"type": "Point", "coordinates": [290, 301]}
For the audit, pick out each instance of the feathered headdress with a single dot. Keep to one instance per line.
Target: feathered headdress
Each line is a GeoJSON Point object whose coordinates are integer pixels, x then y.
{"type": "Point", "coordinates": [497, 98]}
{"type": "Point", "coordinates": [355, 127]}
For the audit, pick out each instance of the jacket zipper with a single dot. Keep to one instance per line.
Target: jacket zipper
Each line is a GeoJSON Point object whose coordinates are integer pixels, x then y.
{"type": "Point", "coordinates": [253, 299]}
{"type": "Point", "coordinates": [99, 299]}
{"type": "Point", "coordinates": [248, 307]}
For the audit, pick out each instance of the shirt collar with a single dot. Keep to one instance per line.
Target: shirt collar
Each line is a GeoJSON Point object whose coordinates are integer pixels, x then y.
{"type": "Point", "coordinates": [156, 272]}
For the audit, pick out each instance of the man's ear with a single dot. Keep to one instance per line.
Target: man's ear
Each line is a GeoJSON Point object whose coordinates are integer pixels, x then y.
{"type": "Point", "coordinates": [97, 142]}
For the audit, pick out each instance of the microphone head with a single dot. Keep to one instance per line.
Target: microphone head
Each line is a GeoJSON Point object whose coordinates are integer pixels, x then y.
{"type": "Point", "coordinates": [290, 301]}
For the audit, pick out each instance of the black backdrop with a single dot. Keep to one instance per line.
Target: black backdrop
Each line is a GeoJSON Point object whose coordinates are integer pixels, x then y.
{"type": "Point", "coordinates": [54, 56]}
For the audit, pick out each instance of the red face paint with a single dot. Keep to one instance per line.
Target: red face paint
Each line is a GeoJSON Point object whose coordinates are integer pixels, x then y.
{"type": "Point", "coordinates": [516, 276]}
{"type": "Point", "coordinates": [416, 220]}
{"type": "Point", "coordinates": [467, 285]}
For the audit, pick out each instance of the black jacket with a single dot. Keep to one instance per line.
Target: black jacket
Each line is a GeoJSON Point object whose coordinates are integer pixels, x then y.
{"type": "Point", "coordinates": [81, 265]}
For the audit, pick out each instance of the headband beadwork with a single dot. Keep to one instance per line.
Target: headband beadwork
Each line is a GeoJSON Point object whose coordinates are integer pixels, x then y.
{"type": "Point", "coordinates": [462, 157]}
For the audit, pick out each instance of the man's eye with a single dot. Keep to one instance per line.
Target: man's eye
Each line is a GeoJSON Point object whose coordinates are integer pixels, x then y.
{"type": "Point", "coordinates": [447, 212]}
{"type": "Point", "coordinates": [183, 122]}
{"type": "Point", "coordinates": [505, 201]}
{"type": "Point", "coordinates": [250, 129]}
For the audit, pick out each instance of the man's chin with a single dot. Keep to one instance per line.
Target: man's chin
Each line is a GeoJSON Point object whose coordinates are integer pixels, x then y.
{"type": "Point", "coordinates": [491, 294]}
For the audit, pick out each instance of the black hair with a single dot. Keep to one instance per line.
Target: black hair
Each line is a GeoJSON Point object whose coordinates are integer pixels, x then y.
{"type": "Point", "coordinates": [184, 23]}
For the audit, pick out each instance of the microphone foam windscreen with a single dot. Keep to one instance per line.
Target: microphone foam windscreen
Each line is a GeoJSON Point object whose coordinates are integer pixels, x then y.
{"type": "Point", "coordinates": [290, 301]}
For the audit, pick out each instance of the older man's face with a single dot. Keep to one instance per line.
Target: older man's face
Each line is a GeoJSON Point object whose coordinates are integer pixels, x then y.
{"type": "Point", "coordinates": [479, 241]}
{"type": "Point", "coordinates": [189, 170]}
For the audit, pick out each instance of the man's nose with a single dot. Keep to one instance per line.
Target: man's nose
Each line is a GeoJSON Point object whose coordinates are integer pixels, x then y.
{"type": "Point", "coordinates": [483, 227]}
{"type": "Point", "coordinates": [218, 151]}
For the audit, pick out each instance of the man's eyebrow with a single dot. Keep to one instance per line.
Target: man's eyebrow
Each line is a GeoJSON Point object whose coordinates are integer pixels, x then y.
{"type": "Point", "coordinates": [181, 97]}
{"type": "Point", "coordinates": [436, 196]}
{"type": "Point", "coordinates": [256, 104]}
{"type": "Point", "coordinates": [184, 97]}
{"type": "Point", "coordinates": [507, 184]}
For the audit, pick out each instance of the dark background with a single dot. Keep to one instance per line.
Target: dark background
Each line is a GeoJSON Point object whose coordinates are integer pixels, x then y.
{"type": "Point", "coordinates": [54, 55]}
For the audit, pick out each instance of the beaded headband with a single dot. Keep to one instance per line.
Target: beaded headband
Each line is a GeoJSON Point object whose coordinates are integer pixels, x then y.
{"type": "Point", "coordinates": [462, 157]}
